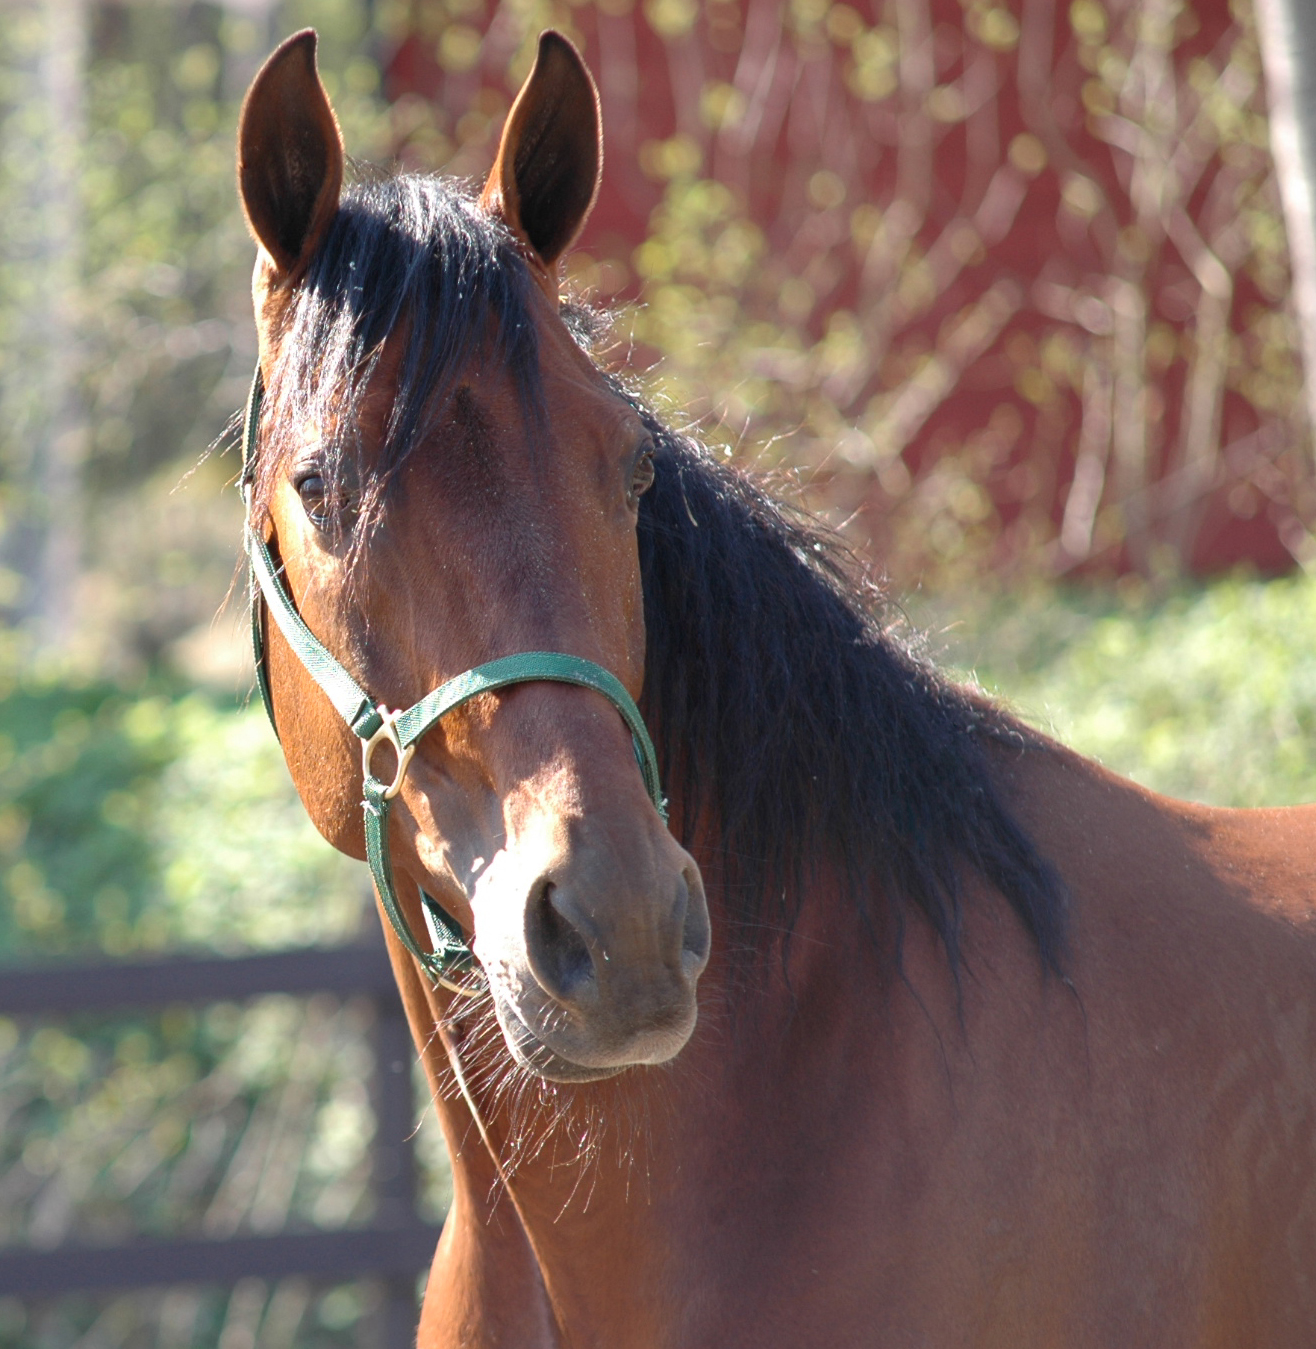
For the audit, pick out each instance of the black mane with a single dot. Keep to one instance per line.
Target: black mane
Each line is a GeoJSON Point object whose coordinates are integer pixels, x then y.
{"type": "Point", "coordinates": [811, 734]}
{"type": "Point", "coordinates": [780, 705]}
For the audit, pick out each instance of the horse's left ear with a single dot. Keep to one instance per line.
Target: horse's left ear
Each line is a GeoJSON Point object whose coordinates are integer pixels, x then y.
{"type": "Point", "coordinates": [546, 176]}
{"type": "Point", "coordinates": [290, 156]}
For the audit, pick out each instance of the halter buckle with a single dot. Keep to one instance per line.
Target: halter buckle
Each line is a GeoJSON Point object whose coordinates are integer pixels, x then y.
{"type": "Point", "coordinates": [387, 731]}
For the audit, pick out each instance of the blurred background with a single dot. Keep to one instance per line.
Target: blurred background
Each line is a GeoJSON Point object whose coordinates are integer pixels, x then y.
{"type": "Point", "coordinates": [1002, 287]}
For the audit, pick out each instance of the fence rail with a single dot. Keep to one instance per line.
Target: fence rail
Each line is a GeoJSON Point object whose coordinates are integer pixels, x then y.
{"type": "Point", "coordinates": [397, 1246]}
{"type": "Point", "coordinates": [347, 1254]}
{"type": "Point", "coordinates": [62, 989]}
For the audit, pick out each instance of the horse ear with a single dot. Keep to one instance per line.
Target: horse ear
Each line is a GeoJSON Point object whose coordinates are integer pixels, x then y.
{"type": "Point", "coordinates": [546, 176]}
{"type": "Point", "coordinates": [290, 155]}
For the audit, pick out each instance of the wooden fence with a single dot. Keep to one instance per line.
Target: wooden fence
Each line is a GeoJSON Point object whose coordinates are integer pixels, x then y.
{"type": "Point", "coordinates": [396, 1247]}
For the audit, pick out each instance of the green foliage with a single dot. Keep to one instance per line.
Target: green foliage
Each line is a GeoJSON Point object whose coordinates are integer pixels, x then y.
{"type": "Point", "coordinates": [131, 822]}
{"type": "Point", "coordinates": [151, 822]}
{"type": "Point", "coordinates": [1208, 694]}
{"type": "Point", "coordinates": [76, 767]}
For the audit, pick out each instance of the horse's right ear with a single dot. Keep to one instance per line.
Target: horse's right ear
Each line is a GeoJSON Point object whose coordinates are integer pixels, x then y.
{"type": "Point", "coordinates": [290, 156]}
{"type": "Point", "coordinates": [546, 176]}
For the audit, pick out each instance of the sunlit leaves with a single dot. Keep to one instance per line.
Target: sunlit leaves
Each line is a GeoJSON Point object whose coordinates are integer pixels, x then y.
{"type": "Point", "coordinates": [131, 824]}
{"type": "Point", "coordinates": [1207, 695]}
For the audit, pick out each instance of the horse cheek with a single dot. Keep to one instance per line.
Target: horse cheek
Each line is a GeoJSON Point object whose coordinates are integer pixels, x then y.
{"type": "Point", "coordinates": [316, 747]}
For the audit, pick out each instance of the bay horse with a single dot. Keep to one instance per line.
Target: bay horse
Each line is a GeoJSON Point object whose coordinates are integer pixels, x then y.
{"type": "Point", "coordinates": [912, 1028]}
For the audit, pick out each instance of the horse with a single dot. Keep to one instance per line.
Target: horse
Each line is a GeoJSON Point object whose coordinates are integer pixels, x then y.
{"type": "Point", "coordinates": [894, 1022]}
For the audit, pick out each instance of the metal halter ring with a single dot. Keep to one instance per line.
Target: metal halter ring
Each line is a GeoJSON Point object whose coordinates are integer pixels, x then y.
{"type": "Point", "coordinates": [387, 731]}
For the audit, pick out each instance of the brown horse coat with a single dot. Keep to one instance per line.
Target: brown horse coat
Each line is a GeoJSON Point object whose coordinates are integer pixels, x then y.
{"type": "Point", "coordinates": [1126, 1159]}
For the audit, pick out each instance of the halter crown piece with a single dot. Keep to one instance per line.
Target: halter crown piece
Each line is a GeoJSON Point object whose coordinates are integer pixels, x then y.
{"type": "Point", "coordinates": [371, 722]}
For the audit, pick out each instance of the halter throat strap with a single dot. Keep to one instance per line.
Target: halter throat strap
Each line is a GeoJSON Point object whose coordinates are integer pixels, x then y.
{"type": "Point", "coordinates": [371, 722]}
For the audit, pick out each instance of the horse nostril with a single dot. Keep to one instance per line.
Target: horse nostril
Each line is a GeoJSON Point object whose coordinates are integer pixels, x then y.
{"type": "Point", "coordinates": [696, 933]}
{"type": "Point", "coordinates": [558, 953]}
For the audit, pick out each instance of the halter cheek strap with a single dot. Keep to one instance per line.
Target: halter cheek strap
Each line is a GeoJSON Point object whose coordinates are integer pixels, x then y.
{"type": "Point", "coordinates": [372, 723]}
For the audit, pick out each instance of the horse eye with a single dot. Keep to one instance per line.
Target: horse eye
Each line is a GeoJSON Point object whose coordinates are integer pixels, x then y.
{"type": "Point", "coordinates": [315, 499]}
{"type": "Point", "coordinates": [643, 477]}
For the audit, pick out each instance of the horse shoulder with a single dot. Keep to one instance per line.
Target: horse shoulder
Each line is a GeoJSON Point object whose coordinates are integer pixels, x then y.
{"type": "Point", "coordinates": [1192, 966]}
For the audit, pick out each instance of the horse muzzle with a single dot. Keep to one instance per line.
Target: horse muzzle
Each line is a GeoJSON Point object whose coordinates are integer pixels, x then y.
{"type": "Point", "coordinates": [593, 951]}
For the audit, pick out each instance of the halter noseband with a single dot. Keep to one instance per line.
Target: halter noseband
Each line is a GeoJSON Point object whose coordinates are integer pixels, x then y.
{"type": "Point", "coordinates": [372, 722]}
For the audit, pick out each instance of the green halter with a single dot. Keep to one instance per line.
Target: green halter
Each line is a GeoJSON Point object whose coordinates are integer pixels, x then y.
{"type": "Point", "coordinates": [372, 722]}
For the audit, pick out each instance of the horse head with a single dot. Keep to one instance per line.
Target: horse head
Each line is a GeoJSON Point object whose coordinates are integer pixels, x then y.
{"type": "Point", "coordinates": [445, 478]}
